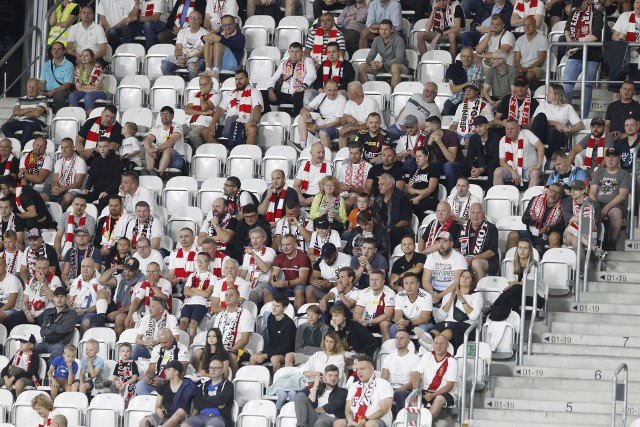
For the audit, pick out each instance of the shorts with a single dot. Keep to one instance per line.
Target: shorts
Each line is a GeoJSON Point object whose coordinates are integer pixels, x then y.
{"type": "Point", "coordinates": [228, 60]}
{"type": "Point", "coordinates": [526, 174]}
{"type": "Point", "coordinates": [319, 292]}
{"type": "Point", "coordinates": [288, 291]}
{"type": "Point", "coordinates": [448, 398]}
{"type": "Point", "coordinates": [177, 161]}
{"type": "Point", "coordinates": [331, 132]}
{"type": "Point", "coordinates": [204, 420]}
{"type": "Point", "coordinates": [622, 207]}
{"type": "Point", "coordinates": [193, 312]}
{"type": "Point", "coordinates": [89, 316]}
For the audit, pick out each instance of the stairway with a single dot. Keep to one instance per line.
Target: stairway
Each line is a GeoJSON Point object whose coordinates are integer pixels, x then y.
{"type": "Point", "coordinates": [567, 381]}
{"type": "Point", "coordinates": [6, 109]}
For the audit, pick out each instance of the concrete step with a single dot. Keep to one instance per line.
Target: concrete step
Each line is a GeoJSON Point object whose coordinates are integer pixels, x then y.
{"type": "Point", "coordinates": [595, 329]}
{"type": "Point", "coordinates": [632, 245]}
{"type": "Point", "coordinates": [623, 256]}
{"type": "Point", "coordinates": [578, 350]}
{"type": "Point", "coordinates": [516, 417]}
{"type": "Point", "coordinates": [533, 371]}
{"type": "Point", "coordinates": [623, 288]}
{"type": "Point", "coordinates": [562, 406]}
{"type": "Point", "coordinates": [617, 276]}
{"type": "Point", "coordinates": [592, 340]}
{"type": "Point", "coordinates": [594, 307]}
{"type": "Point", "coordinates": [583, 362]}
{"type": "Point", "coordinates": [591, 318]}
{"type": "Point", "coordinates": [543, 383]}
{"type": "Point", "coordinates": [558, 395]}
{"type": "Point", "coordinates": [623, 266]}
{"type": "Point", "coordinates": [610, 297]}
{"type": "Point", "coordinates": [492, 423]}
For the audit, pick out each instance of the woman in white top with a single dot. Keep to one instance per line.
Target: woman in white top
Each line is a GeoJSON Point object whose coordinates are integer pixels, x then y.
{"type": "Point", "coordinates": [331, 353]}
{"type": "Point", "coordinates": [459, 308]}
{"type": "Point", "coordinates": [558, 117]}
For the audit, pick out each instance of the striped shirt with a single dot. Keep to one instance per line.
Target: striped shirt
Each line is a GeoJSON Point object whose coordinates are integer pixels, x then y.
{"type": "Point", "coordinates": [25, 102]}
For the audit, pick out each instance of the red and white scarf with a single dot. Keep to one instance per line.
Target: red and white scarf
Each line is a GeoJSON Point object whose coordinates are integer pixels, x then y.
{"type": "Point", "coordinates": [633, 34]}
{"type": "Point", "coordinates": [436, 228]}
{"type": "Point", "coordinates": [363, 398]}
{"type": "Point", "coordinates": [89, 79]}
{"type": "Point", "coordinates": [514, 111]}
{"type": "Point", "coordinates": [66, 175]}
{"type": "Point", "coordinates": [304, 181]}
{"type": "Point", "coordinates": [442, 370]}
{"type": "Point", "coordinates": [581, 24]}
{"type": "Point", "coordinates": [45, 423]}
{"type": "Point", "coordinates": [218, 262]}
{"type": "Point", "coordinates": [196, 105]}
{"type": "Point", "coordinates": [188, 266]}
{"type": "Point", "coordinates": [223, 289]}
{"type": "Point", "coordinates": [533, 4]}
{"type": "Point", "coordinates": [276, 205]}
{"type": "Point", "coordinates": [241, 104]}
{"type": "Point", "coordinates": [32, 256]}
{"type": "Point", "coordinates": [591, 144]}
{"type": "Point", "coordinates": [442, 22]}
{"type": "Point", "coordinates": [7, 164]}
{"type": "Point", "coordinates": [469, 246]}
{"type": "Point", "coordinates": [516, 162]}
{"type": "Point", "coordinates": [254, 268]}
{"type": "Point", "coordinates": [94, 133]}
{"type": "Point", "coordinates": [33, 164]}
{"type": "Point", "coordinates": [22, 363]}
{"type": "Point", "coordinates": [576, 211]}
{"type": "Point", "coordinates": [319, 50]}
{"type": "Point", "coordinates": [333, 70]}
{"type": "Point", "coordinates": [539, 207]}
{"type": "Point", "coordinates": [108, 227]}
{"type": "Point", "coordinates": [11, 265]}
{"type": "Point", "coordinates": [137, 233]}
{"type": "Point", "coordinates": [18, 201]}
{"type": "Point", "coordinates": [467, 117]}
{"type": "Point", "coordinates": [293, 76]}
{"type": "Point", "coordinates": [149, 8]}
{"type": "Point", "coordinates": [200, 284]}
{"type": "Point", "coordinates": [219, 7]}
{"type": "Point", "coordinates": [71, 226]}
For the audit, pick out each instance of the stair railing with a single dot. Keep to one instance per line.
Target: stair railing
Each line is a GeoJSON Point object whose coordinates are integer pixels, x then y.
{"type": "Point", "coordinates": [618, 394]}
{"type": "Point", "coordinates": [463, 395]}
{"type": "Point", "coordinates": [590, 217]}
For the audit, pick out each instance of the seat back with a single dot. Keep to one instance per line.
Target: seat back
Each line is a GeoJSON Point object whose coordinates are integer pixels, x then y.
{"type": "Point", "coordinates": [105, 409]}
{"type": "Point", "coordinates": [153, 60]}
{"type": "Point", "coordinates": [558, 267]}
{"type": "Point", "coordinates": [260, 68]}
{"type": "Point", "coordinates": [138, 408]}
{"type": "Point", "coordinates": [490, 288]}
{"type": "Point", "coordinates": [72, 405]}
{"type": "Point", "coordinates": [505, 225]}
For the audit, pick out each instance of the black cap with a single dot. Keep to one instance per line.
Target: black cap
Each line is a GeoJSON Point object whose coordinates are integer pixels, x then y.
{"type": "Point", "coordinates": [132, 264]}
{"type": "Point", "coordinates": [34, 233]}
{"type": "Point", "coordinates": [26, 338]}
{"type": "Point", "coordinates": [174, 364]}
{"type": "Point", "coordinates": [61, 290]}
{"type": "Point", "coordinates": [480, 120]}
{"type": "Point", "coordinates": [612, 152]}
{"type": "Point", "coordinates": [328, 249]}
{"type": "Point", "coordinates": [321, 222]}
{"type": "Point", "coordinates": [521, 81]}
{"type": "Point", "coordinates": [597, 121]}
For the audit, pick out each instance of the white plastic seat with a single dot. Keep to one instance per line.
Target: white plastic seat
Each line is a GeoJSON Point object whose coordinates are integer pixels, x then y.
{"type": "Point", "coordinates": [243, 161]}
{"type": "Point", "coordinates": [55, 210]}
{"type": "Point", "coordinates": [418, 27]}
{"type": "Point", "coordinates": [179, 191]}
{"type": "Point", "coordinates": [210, 189]}
{"type": "Point", "coordinates": [67, 123]}
{"type": "Point", "coordinates": [109, 85]}
{"type": "Point", "coordinates": [127, 59]}
{"type": "Point", "coordinates": [281, 157]}
{"type": "Point", "coordinates": [505, 225]}
{"type": "Point", "coordinates": [258, 31]}
{"type": "Point", "coordinates": [250, 383]}
{"type": "Point", "coordinates": [139, 407]}
{"type": "Point", "coordinates": [208, 161]}
{"type": "Point", "coordinates": [128, 335]}
{"type": "Point", "coordinates": [425, 418]}
{"type": "Point", "coordinates": [287, 415]}
{"type": "Point", "coordinates": [254, 185]}
{"type": "Point", "coordinates": [154, 183]}
{"type": "Point", "coordinates": [291, 29]}
{"type": "Point", "coordinates": [380, 91]}
{"type": "Point", "coordinates": [132, 92]}
{"type": "Point", "coordinates": [72, 405]}
{"type": "Point", "coordinates": [490, 288]}
{"type": "Point", "coordinates": [193, 87]}
{"type": "Point", "coordinates": [359, 57]}
{"type": "Point", "coordinates": [143, 117]}
{"type": "Point", "coordinates": [273, 129]}
{"type": "Point", "coordinates": [106, 338]}
{"type": "Point", "coordinates": [184, 216]}
{"type": "Point", "coordinates": [257, 413]}
{"type": "Point", "coordinates": [558, 267]}
{"type": "Point", "coordinates": [11, 345]}
{"type": "Point", "coordinates": [340, 157]}
{"type": "Point", "coordinates": [431, 71]}
{"type": "Point", "coordinates": [500, 201]}
{"type": "Point", "coordinates": [529, 194]}
{"type": "Point", "coordinates": [262, 63]}
{"type": "Point", "coordinates": [227, 86]}
{"type": "Point", "coordinates": [477, 191]}
{"type": "Point", "coordinates": [21, 409]}
{"type": "Point", "coordinates": [484, 365]}
{"type": "Point", "coordinates": [6, 402]}
{"type": "Point", "coordinates": [105, 410]}
{"type": "Point", "coordinates": [166, 91]}
{"type": "Point", "coordinates": [153, 59]}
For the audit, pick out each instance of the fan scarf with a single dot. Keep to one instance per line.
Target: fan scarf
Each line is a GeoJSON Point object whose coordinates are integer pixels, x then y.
{"type": "Point", "coordinates": [329, 69]}
{"type": "Point", "coordinates": [48, 423]}
{"type": "Point", "coordinates": [22, 363]}
{"type": "Point", "coordinates": [117, 259]}
{"type": "Point", "coordinates": [196, 105]}
{"type": "Point", "coordinates": [319, 49]}
{"type": "Point", "coordinates": [379, 307]}
{"type": "Point", "coordinates": [8, 164]}
{"type": "Point", "coordinates": [136, 232]}
{"type": "Point", "coordinates": [538, 208]}
{"type": "Point", "coordinates": [18, 200]}
{"type": "Point", "coordinates": [218, 10]}
{"type": "Point", "coordinates": [581, 24]}
{"type": "Point", "coordinates": [517, 163]}
{"type": "Point", "coordinates": [533, 4]}
{"type": "Point", "coordinates": [124, 372]}
{"type": "Point", "coordinates": [585, 213]}
{"type": "Point", "coordinates": [32, 256]}
{"type": "Point", "coordinates": [66, 176]}
{"type": "Point", "coordinates": [276, 205]}
{"type": "Point", "coordinates": [304, 184]}
{"type": "Point", "coordinates": [74, 259]}
{"type": "Point", "coordinates": [436, 228]}
{"type": "Point", "coordinates": [153, 328]}
{"type": "Point", "coordinates": [254, 273]}
{"type": "Point", "coordinates": [11, 266]}
{"type": "Point", "coordinates": [223, 289]}
{"type": "Point", "coordinates": [223, 225]}
{"type": "Point", "coordinates": [591, 143]}
{"type": "Point", "coordinates": [189, 265]}
{"type": "Point", "coordinates": [199, 284]}
{"type": "Point", "coordinates": [217, 264]}
{"type": "Point", "coordinates": [632, 29]}
{"type": "Point", "coordinates": [182, 14]}
{"type": "Point", "coordinates": [466, 118]}
{"type": "Point", "coordinates": [108, 227]}
{"type": "Point", "coordinates": [38, 306]}
{"type": "Point", "coordinates": [460, 207]}
{"type": "Point", "coordinates": [523, 118]}
{"type": "Point", "coordinates": [71, 226]}
{"type": "Point", "coordinates": [420, 141]}
{"type": "Point", "coordinates": [89, 79]}
{"type": "Point", "coordinates": [442, 22]}
{"type": "Point", "coordinates": [11, 223]}
{"type": "Point", "coordinates": [94, 133]}
{"type": "Point", "coordinates": [149, 9]}
{"type": "Point", "coordinates": [174, 356]}
{"type": "Point", "coordinates": [295, 75]}
{"type": "Point", "coordinates": [363, 398]}
{"type": "Point", "coordinates": [437, 379]}
{"type": "Point", "coordinates": [33, 164]}
{"type": "Point", "coordinates": [229, 327]}
{"type": "Point", "coordinates": [240, 104]}
{"type": "Point", "coordinates": [288, 228]}
{"type": "Point", "coordinates": [476, 246]}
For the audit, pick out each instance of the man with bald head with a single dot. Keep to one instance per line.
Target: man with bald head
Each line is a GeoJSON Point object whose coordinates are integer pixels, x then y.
{"type": "Point", "coordinates": [28, 115]}
{"type": "Point", "coordinates": [420, 105]}
{"type": "Point", "coordinates": [531, 52]}
{"type": "Point", "coordinates": [445, 221]}
{"type": "Point", "coordinates": [59, 421]}
{"type": "Point", "coordinates": [276, 197]}
{"type": "Point", "coordinates": [201, 109]}
{"type": "Point", "coordinates": [356, 112]}
{"type": "Point", "coordinates": [479, 243]}
{"type": "Point", "coordinates": [310, 173]}
{"type": "Point", "coordinates": [167, 350]}
{"type": "Point", "coordinates": [8, 159]}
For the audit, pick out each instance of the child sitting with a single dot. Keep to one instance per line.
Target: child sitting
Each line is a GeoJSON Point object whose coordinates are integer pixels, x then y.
{"type": "Point", "coordinates": [91, 368]}
{"type": "Point", "coordinates": [197, 292]}
{"type": "Point", "coordinates": [125, 374]}
{"type": "Point", "coordinates": [362, 204]}
{"type": "Point", "coordinates": [23, 368]}
{"type": "Point", "coordinates": [130, 149]}
{"type": "Point", "coordinates": [63, 370]}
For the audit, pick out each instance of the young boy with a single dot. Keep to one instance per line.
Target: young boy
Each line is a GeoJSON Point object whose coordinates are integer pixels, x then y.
{"type": "Point", "coordinates": [63, 370]}
{"type": "Point", "coordinates": [105, 175]}
{"type": "Point", "coordinates": [197, 291]}
{"type": "Point", "coordinates": [125, 374]}
{"type": "Point", "coordinates": [323, 234]}
{"type": "Point", "coordinates": [11, 254]}
{"type": "Point", "coordinates": [362, 204]}
{"type": "Point", "coordinates": [23, 367]}
{"type": "Point", "coordinates": [130, 148]}
{"type": "Point", "coordinates": [90, 368]}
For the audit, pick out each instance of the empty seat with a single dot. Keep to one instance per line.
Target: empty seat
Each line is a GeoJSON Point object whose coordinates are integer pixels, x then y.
{"type": "Point", "coordinates": [127, 60]}
{"type": "Point", "coordinates": [166, 91]}
{"type": "Point", "coordinates": [153, 59]}
{"type": "Point", "coordinates": [273, 129]}
{"type": "Point", "coordinates": [67, 123]}
{"type": "Point", "coordinates": [132, 92]}
{"type": "Point", "coordinates": [258, 31]}
{"type": "Point", "coordinates": [208, 162]}
{"type": "Point", "coordinates": [179, 192]}
{"type": "Point", "coordinates": [105, 410]}
{"type": "Point", "coordinates": [72, 405]}
{"type": "Point", "coordinates": [501, 201]}
{"type": "Point", "coordinates": [291, 29]}
{"type": "Point", "coordinates": [143, 117]}
{"type": "Point", "coordinates": [281, 157]}
{"type": "Point", "coordinates": [250, 383]}
{"type": "Point", "coordinates": [243, 161]}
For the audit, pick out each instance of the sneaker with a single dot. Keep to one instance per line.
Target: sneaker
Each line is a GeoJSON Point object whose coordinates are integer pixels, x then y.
{"type": "Point", "coordinates": [601, 254]}
{"type": "Point", "coordinates": [425, 339]}
{"type": "Point", "coordinates": [299, 146]}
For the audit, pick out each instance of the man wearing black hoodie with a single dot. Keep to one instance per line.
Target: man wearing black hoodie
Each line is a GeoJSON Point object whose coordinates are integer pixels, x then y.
{"type": "Point", "coordinates": [355, 337]}
{"type": "Point", "coordinates": [214, 399]}
{"type": "Point", "coordinates": [104, 176]}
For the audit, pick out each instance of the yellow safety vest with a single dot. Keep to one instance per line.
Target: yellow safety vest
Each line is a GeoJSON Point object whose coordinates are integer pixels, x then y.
{"type": "Point", "coordinates": [57, 30]}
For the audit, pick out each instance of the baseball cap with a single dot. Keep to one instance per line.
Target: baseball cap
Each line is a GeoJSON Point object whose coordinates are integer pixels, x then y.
{"type": "Point", "coordinates": [174, 364]}
{"type": "Point", "coordinates": [597, 121]}
{"type": "Point", "coordinates": [328, 249]}
{"type": "Point", "coordinates": [26, 338]}
{"type": "Point", "coordinates": [321, 222]}
{"type": "Point", "coordinates": [521, 81]}
{"type": "Point", "coordinates": [472, 85]}
{"type": "Point", "coordinates": [410, 121]}
{"type": "Point", "coordinates": [82, 230]}
{"type": "Point", "coordinates": [443, 235]}
{"type": "Point", "coordinates": [132, 264]}
{"type": "Point", "coordinates": [480, 120]}
{"type": "Point", "coordinates": [612, 152]}
{"type": "Point", "coordinates": [34, 233]}
{"type": "Point", "coordinates": [61, 290]}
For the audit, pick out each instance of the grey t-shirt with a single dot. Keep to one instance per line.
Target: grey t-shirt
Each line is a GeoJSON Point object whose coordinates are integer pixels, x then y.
{"type": "Point", "coordinates": [500, 84]}
{"type": "Point", "coordinates": [609, 185]}
{"type": "Point", "coordinates": [418, 107]}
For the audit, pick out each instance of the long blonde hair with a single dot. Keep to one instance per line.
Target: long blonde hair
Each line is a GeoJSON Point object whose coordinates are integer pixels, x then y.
{"type": "Point", "coordinates": [517, 267]}
{"type": "Point", "coordinates": [86, 69]}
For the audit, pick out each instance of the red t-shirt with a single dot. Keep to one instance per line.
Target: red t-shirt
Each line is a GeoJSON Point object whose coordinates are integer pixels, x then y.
{"type": "Point", "coordinates": [291, 267]}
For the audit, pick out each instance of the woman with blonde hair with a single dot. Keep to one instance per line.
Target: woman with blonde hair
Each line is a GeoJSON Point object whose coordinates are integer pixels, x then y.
{"type": "Point", "coordinates": [329, 202]}
{"type": "Point", "coordinates": [88, 81]}
{"type": "Point", "coordinates": [43, 405]}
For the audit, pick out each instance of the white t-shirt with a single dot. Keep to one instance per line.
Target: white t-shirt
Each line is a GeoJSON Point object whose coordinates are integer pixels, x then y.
{"type": "Point", "coordinates": [141, 293]}
{"type": "Point", "coordinates": [142, 194]}
{"type": "Point", "coordinates": [229, 7]}
{"type": "Point", "coordinates": [474, 300]}
{"type": "Point", "coordinates": [399, 367]}
{"type": "Point", "coordinates": [360, 112]}
{"type": "Point", "coordinates": [351, 295]}
{"type": "Point", "coordinates": [47, 164]}
{"type": "Point", "coordinates": [38, 301]}
{"type": "Point", "coordinates": [150, 328]}
{"type": "Point", "coordinates": [115, 10]}
{"type": "Point", "coordinates": [14, 262]}
{"type": "Point", "coordinates": [528, 11]}
{"type": "Point", "coordinates": [224, 322]}
{"type": "Point", "coordinates": [443, 270]}
{"type": "Point", "coordinates": [530, 155]}
{"type": "Point", "coordinates": [330, 272]}
{"type": "Point", "coordinates": [242, 285]}
{"type": "Point", "coordinates": [316, 243]}
{"type": "Point", "coordinates": [497, 41]}
{"type": "Point", "coordinates": [529, 49]}
{"type": "Point", "coordinates": [203, 277]}
{"type": "Point", "coordinates": [256, 99]}
{"type": "Point", "coordinates": [191, 42]}
{"type": "Point", "coordinates": [82, 293]}
{"type": "Point", "coordinates": [413, 310]}
{"type": "Point", "coordinates": [564, 114]}
{"type": "Point", "coordinates": [79, 167]}
{"type": "Point", "coordinates": [267, 255]}
{"type": "Point", "coordinates": [460, 205]}
{"type": "Point", "coordinates": [86, 38]}
{"type": "Point", "coordinates": [371, 302]}
{"type": "Point", "coordinates": [11, 285]}
{"type": "Point", "coordinates": [381, 390]}
{"type": "Point", "coordinates": [130, 145]}
{"type": "Point", "coordinates": [161, 135]}
{"type": "Point", "coordinates": [157, 230]}
{"type": "Point", "coordinates": [622, 25]}
{"type": "Point", "coordinates": [342, 175]}
{"type": "Point", "coordinates": [428, 367]}
{"type": "Point", "coordinates": [183, 354]}
{"type": "Point", "coordinates": [153, 257]}
{"type": "Point", "coordinates": [314, 175]}
{"type": "Point", "coordinates": [329, 109]}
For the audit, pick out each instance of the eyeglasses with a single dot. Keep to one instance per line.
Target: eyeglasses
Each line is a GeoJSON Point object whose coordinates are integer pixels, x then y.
{"type": "Point", "coordinates": [250, 216]}
{"type": "Point", "coordinates": [195, 18]}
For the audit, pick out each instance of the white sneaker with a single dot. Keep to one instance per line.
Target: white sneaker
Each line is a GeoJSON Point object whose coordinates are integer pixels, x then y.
{"type": "Point", "coordinates": [425, 339]}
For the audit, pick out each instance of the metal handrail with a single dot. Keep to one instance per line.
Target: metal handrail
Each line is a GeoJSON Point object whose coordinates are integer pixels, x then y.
{"type": "Point", "coordinates": [523, 308]}
{"type": "Point", "coordinates": [463, 399]}
{"type": "Point", "coordinates": [632, 198]}
{"type": "Point", "coordinates": [579, 248]}
{"type": "Point", "coordinates": [614, 394]}
{"type": "Point", "coordinates": [47, 27]}
{"type": "Point", "coordinates": [21, 41]}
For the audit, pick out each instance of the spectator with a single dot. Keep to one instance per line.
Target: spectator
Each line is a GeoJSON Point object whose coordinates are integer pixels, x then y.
{"type": "Point", "coordinates": [23, 367]}
{"type": "Point", "coordinates": [69, 173]}
{"type": "Point", "coordinates": [618, 111]}
{"type": "Point", "coordinates": [479, 244]}
{"type": "Point", "coordinates": [43, 406]}
{"type": "Point", "coordinates": [228, 279]}
{"type": "Point", "coordinates": [354, 336]}
{"type": "Point", "coordinates": [367, 262]}
{"type": "Point", "coordinates": [164, 146]}
{"type": "Point", "coordinates": [489, 30]}
{"type": "Point", "coordinates": [530, 51]}
{"type": "Point", "coordinates": [413, 307]}
{"type": "Point", "coordinates": [393, 209]}
{"type": "Point", "coordinates": [243, 106]}
{"type": "Point", "coordinates": [369, 399]}
{"type": "Point", "coordinates": [519, 105]}
{"type": "Point", "coordinates": [179, 17]}
{"type": "Point", "coordinates": [108, 224]}
{"type": "Point", "coordinates": [125, 373]}
{"type": "Point", "coordinates": [78, 252]}
{"type": "Point", "coordinates": [343, 293]}
{"type": "Point", "coordinates": [571, 212]}
{"type": "Point", "coordinates": [35, 165]}
{"type": "Point", "coordinates": [115, 19]}
{"type": "Point", "coordinates": [319, 38]}
{"type": "Point", "coordinates": [423, 187]}
{"type": "Point", "coordinates": [293, 76]}
{"type": "Point", "coordinates": [58, 325]}
{"type": "Point", "coordinates": [329, 204]}
{"type": "Point", "coordinates": [62, 371]}
{"type": "Point", "coordinates": [60, 20]}
{"type": "Point", "coordinates": [145, 254]}
{"type": "Point", "coordinates": [223, 49]}
{"type": "Point", "coordinates": [270, 8]}
{"type": "Point", "coordinates": [295, 224]}
{"type": "Point", "coordinates": [143, 293]}
{"type": "Point", "coordinates": [443, 268]}
{"type": "Point", "coordinates": [197, 291]}
{"type": "Point", "coordinates": [87, 34]}
{"type": "Point", "coordinates": [626, 146]}
{"type": "Point", "coordinates": [310, 340]}
{"type": "Point", "coordinates": [309, 175]}
{"type": "Point", "coordinates": [91, 368]}
{"type": "Point", "coordinates": [277, 195]}
{"type": "Point", "coordinates": [295, 266]}
{"type": "Point", "coordinates": [436, 375]}
{"type": "Point", "coordinates": [28, 115]}
{"type": "Point", "coordinates": [8, 159]}
{"type": "Point", "coordinates": [132, 192]}
{"type": "Point", "coordinates": [461, 200]}
{"type": "Point", "coordinates": [396, 368]}
{"type": "Point", "coordinates": [458, 75]}
{"type": "Point", "coordinates": [103, 126]}
{"type": "Point", "coordinates": [151, 326]}
{"type": "Point", "coordinates": [367, 227]}
{"type": "Point", "coordinates": [333, 66]}
{"type": "Point", "coordinates": [352, 20]}
{"type": "Point", "coordinates": [380, 10]}
{"type": "Point", "coordinates": [309, 410]}
{"type": "Point", "coordinates": [37, 248]}
{"type": "Point", "coordinates": [56, 76]}
{"type": "Point", "coordinates": [236, 325]}
{"type": "Point", "coordinates": [281, 333]}
{"type": "Point", "coordinates": [256, 264]}
{"type": "Point", "coordinates": [189, 49]}
{"type": "Point", "coordinates": [167, 354]}
{"type": "Point", "coordinates": [104, 176]}
{"type": "Point", "coordinates": [363, 203]}
{"type": "Point", "coordinates": [391, 48]}
{"type": "Point", "coordinates": [324, 274]}
{"type": "Point", "coordinates": [26, 204]}
{"type": "Point", "coordinates": [521, 156]}
{"type": "Point", "coordinates": [11, 254]}
{"type": "Point", "coordinates": [419, 106]}
{"type": "Point", "coordinates": [543, 218]}
{"type": "Point", "coordinates": [10, 292]}
{"type": "Point", "coordinates": [213, 350]}
{"type": "Point", "coordinates": [353, 173]}
{"type": "Point", "coordinates": [565, 173]}
{"type": "Point", "coordinates": [117, 309]}
{"type": "Point", "coordinates": [119, 254]}
{"type": "Point", "coordinates": [147, 21]}
{"type": "Point", "coordinates": [59, 420]}
{"type": "Point", "coordinates": [330, 107]}
{"type": "Point", "coordinates": [623, 30]}
{"type": "Point", "coordinates": [220, 226]}
{"type": "Point", "coordinates": [610, 187]}
{"type": "Point", "coordinates": [373, 139]}
{"type": "Point", "coordinates": [409, 143]}
{"type": "Point", "coordinates": [251, 219]}
{"type": "Point", "coordinates": [129, 151]}
{"type": "Point", "coordinates": [237, 197]}
{"type": "Point", "coordinates": [217, 10]}
{"type": "Point", "coordinates": [213, 400]}
{"type": "Point", "coordinates": [182, 261]}
{"type": "Point", "coordinates": [499, 78]}
{"type": "Point", "coordinates": [444, 149]}
{"type": "Point", "coordinates": [524, 9]}
{"type": "Point", "coordinates": [594, 145]}
{"type": "Point", "coordinates": [411, 262]}
{"type": "Point", "coordinates": [375, 305]}
{"type": "Point", "coordinates": [444, 25]}
{"type": "Point", "coordinates": [356, 112]}
{"type": "Point", "coordinates": [472, 106]}
{"type": "Point", "coordinates": [444, 221]}
{"type": "Point", "coordinates": [76, 217]}
{"type": "Point", "coordinates": [201, 109]}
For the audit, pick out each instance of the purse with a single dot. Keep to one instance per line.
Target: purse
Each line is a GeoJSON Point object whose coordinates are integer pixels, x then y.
{"type": "Point", "coordinates": [458, 314]}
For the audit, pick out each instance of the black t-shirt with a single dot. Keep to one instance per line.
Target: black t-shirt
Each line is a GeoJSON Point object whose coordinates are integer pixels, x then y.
{"type": "Point", "coordinates": [503, 107]}
{"type": "Point", "coordinates": [30, 197]}
{"type": "Point", "coordinates": [116, 131]}
{"type": "Point", "coordinates": [490, 244]}
{"type": "Point", "coordinates": [18, 225]}
{"type": "Point", "coordinates": [420, 179]}
{"type": "Point", "coordinates": [167, 394]}
{"type": "Point", "coordinates": [378, 170]}
{"type": "Point", "coordinates": [401, 264]}
{"type": "Point", "coordinates": [617, 113]}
